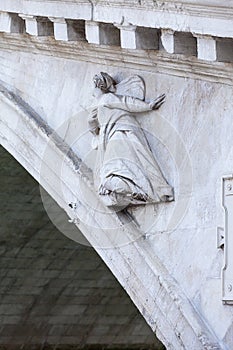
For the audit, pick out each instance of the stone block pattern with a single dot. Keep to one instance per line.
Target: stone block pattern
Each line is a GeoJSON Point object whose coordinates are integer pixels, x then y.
{"type": "Point", "coordinates": [54, 292]}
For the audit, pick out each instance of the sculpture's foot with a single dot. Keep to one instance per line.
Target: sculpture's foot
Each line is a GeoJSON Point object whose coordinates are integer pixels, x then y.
{"type": "Point", "coordinates": [140, 197]}
{"type": "Point", "coordinates": [121, 200]}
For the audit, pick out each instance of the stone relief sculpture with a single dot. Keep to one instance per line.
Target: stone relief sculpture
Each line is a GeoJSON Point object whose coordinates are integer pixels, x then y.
{"type": "Point", "coordinates": [126, 171]}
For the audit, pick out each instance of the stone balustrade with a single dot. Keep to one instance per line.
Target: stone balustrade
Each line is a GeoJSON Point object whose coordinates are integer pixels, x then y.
{"type": "Point", "coordinates": [85, 21]}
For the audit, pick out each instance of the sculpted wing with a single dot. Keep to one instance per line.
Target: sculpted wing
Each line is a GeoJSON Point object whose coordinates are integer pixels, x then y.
{"type": "Point", "coordinates": [133, 86]}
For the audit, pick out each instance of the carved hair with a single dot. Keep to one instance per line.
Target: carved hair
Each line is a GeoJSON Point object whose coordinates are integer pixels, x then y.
{"type": "Point", "coordinates": [104, 82]}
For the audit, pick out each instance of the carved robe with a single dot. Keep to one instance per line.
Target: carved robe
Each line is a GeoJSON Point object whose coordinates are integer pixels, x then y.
{"type": "Point", "coordinates": [126, 171]}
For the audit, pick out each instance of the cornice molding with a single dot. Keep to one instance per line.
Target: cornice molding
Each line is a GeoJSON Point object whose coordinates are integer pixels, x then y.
{"type": "Point", "coordinates": [149, 61]}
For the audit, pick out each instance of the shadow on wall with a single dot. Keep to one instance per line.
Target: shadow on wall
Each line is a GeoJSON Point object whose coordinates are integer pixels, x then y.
{"type": "Point", "coordinates": [55, 293]}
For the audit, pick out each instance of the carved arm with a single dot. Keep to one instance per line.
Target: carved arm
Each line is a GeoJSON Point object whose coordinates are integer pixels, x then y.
{"type": "Point", "coordinates": [130, 104]}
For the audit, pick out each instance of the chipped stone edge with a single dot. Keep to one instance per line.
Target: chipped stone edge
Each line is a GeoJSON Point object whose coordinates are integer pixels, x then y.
{"type": "Point", "coordinates": [162, 63]}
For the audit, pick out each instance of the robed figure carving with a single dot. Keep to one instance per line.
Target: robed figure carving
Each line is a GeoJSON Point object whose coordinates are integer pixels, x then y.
{"type": "Point", "coordinates": [126, 171]}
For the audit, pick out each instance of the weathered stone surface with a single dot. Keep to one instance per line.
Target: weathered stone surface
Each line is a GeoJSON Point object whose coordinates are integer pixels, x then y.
{"type": "Point", "coordinates": [140, 252]}
{"type": "Point", "coordinates": [170, 266]}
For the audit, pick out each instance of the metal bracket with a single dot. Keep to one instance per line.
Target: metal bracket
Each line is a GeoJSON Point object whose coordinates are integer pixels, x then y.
{"type": "Point", "coordinates": [227, 241]}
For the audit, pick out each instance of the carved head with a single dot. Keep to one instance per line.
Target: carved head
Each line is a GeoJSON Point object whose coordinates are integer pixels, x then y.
{"type": "Point", "coordinates": [104, 82]}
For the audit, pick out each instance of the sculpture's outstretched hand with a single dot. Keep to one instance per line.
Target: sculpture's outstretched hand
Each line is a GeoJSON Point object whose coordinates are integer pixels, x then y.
{"type": "Point", "coordinates": [156, 103]}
